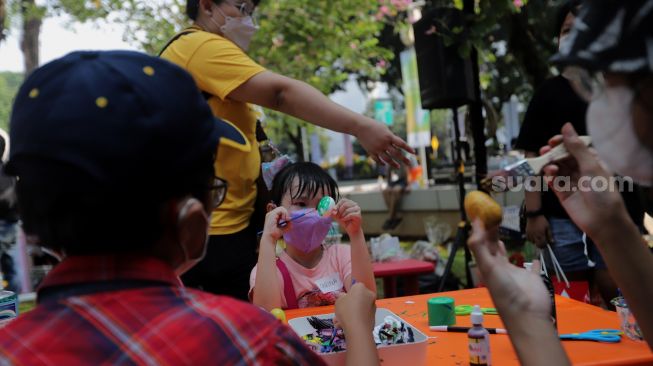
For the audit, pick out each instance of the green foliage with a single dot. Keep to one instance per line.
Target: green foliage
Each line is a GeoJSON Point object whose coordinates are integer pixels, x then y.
{"type": "Point", "coordinates": [319, 42]}
{"type": "Point", "coordinates": [363, 168]}
{"type": "Point", "coordinates": [514, 40]}
{"type": "Point", "coordinates": [9, 84]}
{"type": "Point", "coordinates": [148, 24]}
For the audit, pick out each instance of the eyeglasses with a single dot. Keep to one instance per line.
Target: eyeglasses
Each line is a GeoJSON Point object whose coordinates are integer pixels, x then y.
{"type": "Point", "coordinates": [245, 8]}
{"type": "Point", "coordinates": [217, 191]}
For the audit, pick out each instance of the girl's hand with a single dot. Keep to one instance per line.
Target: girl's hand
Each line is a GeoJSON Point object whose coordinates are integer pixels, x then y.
{"type": "Point", "coordinates": [271, 229]}
{"type": "Point", "coordinates": [348, 215]}
{"type": "Point", "coordinates": [356, 308]}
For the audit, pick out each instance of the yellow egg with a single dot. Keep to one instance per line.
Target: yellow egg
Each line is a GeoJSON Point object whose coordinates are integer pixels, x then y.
{"type": "Point", "coordinates": [481, 205]}
{"type": "Point", "coordinates": [279, 314]}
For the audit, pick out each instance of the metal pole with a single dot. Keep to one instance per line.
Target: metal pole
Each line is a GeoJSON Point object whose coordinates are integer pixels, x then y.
{"type": "Point", "coordinates": [476, 110]}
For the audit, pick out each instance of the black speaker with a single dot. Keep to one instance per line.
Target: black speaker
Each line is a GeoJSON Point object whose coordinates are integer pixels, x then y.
{"type": "Point", "coordinates": [446, 80]}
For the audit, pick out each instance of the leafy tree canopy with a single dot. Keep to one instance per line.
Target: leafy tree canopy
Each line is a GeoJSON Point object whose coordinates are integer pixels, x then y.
{"type": "Point", "coordinates": [9, 84]}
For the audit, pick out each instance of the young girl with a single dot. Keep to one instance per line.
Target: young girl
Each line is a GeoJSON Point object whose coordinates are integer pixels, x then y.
{"type": "Point", "coordinates": [307, 274]}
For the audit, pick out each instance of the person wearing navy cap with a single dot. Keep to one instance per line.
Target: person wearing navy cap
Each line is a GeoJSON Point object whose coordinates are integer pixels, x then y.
{"type": "Point", "coordinates": [609, 60]}
{"type": "Point", "coordinates": [113, 154]}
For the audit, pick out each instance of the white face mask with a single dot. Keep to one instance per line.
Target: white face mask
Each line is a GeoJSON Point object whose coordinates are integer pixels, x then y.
{"type": "Point", "coordinates": [564, 43]}
{"type": "Point", "coordinates": [238, 30]}
{"type": "Point", "coordinates": [610, 124]}
{"type": "Point", "coordinates": [189, 262]}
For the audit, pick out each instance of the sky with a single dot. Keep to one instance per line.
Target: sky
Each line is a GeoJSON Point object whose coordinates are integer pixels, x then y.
{"type": "Point", "coordinates": [58, 39]}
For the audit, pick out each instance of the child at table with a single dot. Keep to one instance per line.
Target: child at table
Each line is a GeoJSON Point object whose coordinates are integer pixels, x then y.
{"type": "Point", "coordinates": [307, 273]}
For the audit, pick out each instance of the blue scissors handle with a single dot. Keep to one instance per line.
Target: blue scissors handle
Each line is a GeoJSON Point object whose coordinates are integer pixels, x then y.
{"type": "Point", "coordinates": [597, 335]}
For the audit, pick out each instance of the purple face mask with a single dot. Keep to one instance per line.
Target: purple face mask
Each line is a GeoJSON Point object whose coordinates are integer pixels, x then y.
{"type": "Point", "coordinates": [307, 232]}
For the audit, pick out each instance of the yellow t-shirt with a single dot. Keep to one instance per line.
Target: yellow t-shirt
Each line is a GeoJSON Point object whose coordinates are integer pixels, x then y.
{"type": "Point", "coordinates": [218, 67]}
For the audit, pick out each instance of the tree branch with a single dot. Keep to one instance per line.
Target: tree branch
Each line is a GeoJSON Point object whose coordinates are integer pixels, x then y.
{"type": "Point", "coordinates": [3, 19]}
{"type": "Point", "coordinates": [29, 43]}
{"type": "Point", "coordinates": [522, 45]}
{"type": "Point", "coordinates": [296, 139]}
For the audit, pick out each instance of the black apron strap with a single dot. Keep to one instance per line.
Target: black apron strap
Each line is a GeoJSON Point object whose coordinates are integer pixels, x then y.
{"type": "Point", "coordinates": [176, 37]}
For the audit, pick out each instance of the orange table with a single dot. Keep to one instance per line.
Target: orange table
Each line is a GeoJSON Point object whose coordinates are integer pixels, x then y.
{"type": "Point", "coordinates": [451, 348]}
{"type": "Point", "coordinates": [409, 269]}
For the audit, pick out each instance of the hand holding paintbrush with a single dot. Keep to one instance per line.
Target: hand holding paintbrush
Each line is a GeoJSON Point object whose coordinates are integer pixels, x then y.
{"type": "Point", "coordinates": [324, 208]}
{"type": "Point", "coordinates": [533, 166]}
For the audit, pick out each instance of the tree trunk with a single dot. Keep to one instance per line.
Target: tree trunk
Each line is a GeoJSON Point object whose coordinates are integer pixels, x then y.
{"type": "Point", "coordinates": [296, 140]}
{"type": "Point", "coordinates": [522, 44]}
{"type": "Point", "coordinates": [3, 18]}
{"type": "Point", "coordinates": [29, 43]}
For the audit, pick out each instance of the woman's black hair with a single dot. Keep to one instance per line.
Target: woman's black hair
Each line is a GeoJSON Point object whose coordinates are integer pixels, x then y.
{"type": "Point", "coordinates": [311, 179]}
{"type": "Point", "coordinates": [193, 7]}
{"type": "Point", "coordinates": [569, 6]}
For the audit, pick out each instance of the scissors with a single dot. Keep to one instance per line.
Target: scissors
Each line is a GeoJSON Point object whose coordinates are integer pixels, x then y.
{"type": "Point", "coordinates": [597, 335]}
{"type": "Point", "coordinates": [467, 309]}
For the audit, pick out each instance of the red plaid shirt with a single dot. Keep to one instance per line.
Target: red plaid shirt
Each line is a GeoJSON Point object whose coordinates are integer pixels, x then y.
{"type": "Point", "coordinates": [128, 310]}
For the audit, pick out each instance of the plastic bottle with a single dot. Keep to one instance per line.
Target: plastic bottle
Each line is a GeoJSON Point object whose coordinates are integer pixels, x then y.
{"type": "Point", "coordinates": [479, 340]}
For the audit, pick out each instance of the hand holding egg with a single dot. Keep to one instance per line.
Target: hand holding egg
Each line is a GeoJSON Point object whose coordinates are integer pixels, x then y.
{"type": "Point", "coordinates": [348, 215]}
{"type": "Point", "coordinates": [481, 205]}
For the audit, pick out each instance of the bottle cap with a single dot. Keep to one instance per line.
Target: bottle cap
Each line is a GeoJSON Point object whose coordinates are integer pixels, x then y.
{"type": "Point", "coordinates": [477, 315]}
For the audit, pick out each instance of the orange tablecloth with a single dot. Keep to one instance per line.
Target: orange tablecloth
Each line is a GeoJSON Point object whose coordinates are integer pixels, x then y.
{"type": "Point", "coordinates": [451, 348]}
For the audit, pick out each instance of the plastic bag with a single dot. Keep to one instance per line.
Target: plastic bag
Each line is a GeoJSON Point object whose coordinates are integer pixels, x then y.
{"type": "Point", "coordinates": [437, 232]}
{"type": "Point", "coordinates": [386, 248]}
{"type": "Point", "coordinates": [424, 251]}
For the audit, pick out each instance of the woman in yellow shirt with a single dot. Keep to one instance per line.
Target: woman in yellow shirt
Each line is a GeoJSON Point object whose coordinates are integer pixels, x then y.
{"type": "Point", "coordinates": [213, 51]}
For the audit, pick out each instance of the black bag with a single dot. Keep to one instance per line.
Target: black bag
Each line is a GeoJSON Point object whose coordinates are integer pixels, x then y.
{"type": "Point", "coordinates": [263, 197]}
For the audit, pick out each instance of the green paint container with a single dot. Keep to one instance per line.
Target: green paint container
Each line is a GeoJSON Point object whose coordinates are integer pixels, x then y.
{"type": "Point", "coordinates": [441, 311]}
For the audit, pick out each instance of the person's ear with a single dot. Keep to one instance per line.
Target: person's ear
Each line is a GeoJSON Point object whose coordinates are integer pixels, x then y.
{"type": "Point", "coordinates": [192, 226]}
{"type": "Point", "coordinates": [206, 6]}
{"type": "Point", "coordinates": [270, 206]}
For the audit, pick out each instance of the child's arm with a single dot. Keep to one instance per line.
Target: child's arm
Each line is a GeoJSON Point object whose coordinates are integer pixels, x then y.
{"type": "Point", "coordinates": [355, 314]}
{"type": "Point", "coordinates": [266, 288]}
{"type": "Point", "coordinates": [348, 213]}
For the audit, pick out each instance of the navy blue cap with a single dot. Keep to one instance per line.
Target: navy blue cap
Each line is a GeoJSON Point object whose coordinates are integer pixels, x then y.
{"type": "Point", "coordinates": [122, 117]}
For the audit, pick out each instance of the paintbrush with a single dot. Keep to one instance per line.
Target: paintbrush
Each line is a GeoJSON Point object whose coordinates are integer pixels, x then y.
{"type": "Point", "coordinates": [284, 223]}
{"type": "Point", "coordinates": [324, 207]}
{"type": "Point", "coordinates": [533, 166]}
